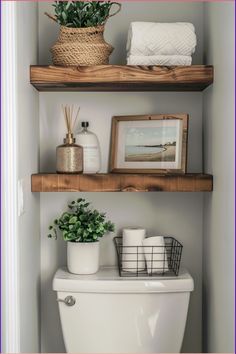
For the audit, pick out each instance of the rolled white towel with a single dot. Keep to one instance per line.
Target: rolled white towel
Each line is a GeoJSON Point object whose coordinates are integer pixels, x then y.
{"type": "Point", "coordinates": [150, 38]}
{"type": "Point", "coordinates": [168, 60]}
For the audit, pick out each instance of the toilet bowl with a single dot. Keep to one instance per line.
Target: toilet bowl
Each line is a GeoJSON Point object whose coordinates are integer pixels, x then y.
{"type": "Point", "coordinates": [105, 313]}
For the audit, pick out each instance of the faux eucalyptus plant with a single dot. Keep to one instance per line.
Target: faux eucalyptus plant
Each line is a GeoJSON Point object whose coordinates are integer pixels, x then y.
{"type": "Point", "coordinates": [77, 14]}
{"type": "Point", "coordinates": [81, 223]}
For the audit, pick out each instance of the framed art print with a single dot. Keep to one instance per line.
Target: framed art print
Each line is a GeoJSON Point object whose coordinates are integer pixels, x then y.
{"type": "Point", "coordinates": [149, 144]}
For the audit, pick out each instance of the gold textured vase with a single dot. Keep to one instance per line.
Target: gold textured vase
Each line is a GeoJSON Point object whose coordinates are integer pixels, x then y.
{"type": "Point", "coordinates": [69, 156]}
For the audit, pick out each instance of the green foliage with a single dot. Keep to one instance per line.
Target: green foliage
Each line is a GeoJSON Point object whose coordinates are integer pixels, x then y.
{"type": "Point", "coordinates": [79, 14]}
{"type": "Point", "coordinates": [81, 223]}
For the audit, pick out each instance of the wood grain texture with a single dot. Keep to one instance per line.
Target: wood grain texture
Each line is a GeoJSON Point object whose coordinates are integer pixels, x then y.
{"type": "Point", "coordinates": [121, 183]}
{"type": "Point", "coordinates": [121, 78]}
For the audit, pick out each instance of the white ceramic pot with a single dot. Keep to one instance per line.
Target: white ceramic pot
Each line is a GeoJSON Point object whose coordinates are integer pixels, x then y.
{"type": "Point", "coordinates": [83, 257]}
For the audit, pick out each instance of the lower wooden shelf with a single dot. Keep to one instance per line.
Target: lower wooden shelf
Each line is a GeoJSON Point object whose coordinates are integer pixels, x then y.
{"type": "Point", "coordinates": [121, 183]}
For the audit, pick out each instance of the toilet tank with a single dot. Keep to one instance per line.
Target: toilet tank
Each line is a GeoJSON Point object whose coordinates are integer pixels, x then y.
{"type": "Point", "coordinates": [104, 313]}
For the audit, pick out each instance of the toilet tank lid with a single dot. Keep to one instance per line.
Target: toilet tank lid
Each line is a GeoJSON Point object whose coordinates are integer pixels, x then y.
{"type": "Point", "coordinates": [107, 280]}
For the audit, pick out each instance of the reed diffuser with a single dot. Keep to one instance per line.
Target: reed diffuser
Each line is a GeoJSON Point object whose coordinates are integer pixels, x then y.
{"type": "Point", "coordinates": [69, 155]}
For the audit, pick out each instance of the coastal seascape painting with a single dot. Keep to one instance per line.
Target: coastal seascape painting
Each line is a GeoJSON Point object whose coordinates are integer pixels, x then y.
{"type": "Point", "coordinates": [149, 144]}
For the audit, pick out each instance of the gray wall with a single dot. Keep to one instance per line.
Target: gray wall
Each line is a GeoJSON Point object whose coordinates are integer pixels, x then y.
{"type": "Point", "coordinates": [178, 214]}
{"type": "Point", "coordinates": [28, 144]}
{"type": "Point", "coordinates": [218, 240]}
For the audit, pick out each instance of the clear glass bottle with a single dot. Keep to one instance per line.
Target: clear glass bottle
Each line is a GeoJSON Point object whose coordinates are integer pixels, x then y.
{"type": "Point", "coordinates": [69, 156]}
{"type": "Point", "coordinates": [91, 149]}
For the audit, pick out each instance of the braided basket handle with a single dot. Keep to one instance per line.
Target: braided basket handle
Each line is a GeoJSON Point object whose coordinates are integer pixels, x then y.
{"type": "Point", "coordinates": [51, 17]}
{"type": "Point", "coordinates": [116, 12]}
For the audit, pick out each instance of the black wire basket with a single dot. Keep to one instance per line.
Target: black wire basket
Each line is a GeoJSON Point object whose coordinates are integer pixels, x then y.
{"type": "Point", "coordinates": [139, 261]}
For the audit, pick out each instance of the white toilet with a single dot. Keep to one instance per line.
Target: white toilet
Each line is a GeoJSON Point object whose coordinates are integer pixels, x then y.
{"type": "Point", "coordinates": [105, 313]}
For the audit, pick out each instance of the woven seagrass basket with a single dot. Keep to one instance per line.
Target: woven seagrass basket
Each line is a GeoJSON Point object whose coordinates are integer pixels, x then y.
{"type": "Point", "coordinates": [81, 46]}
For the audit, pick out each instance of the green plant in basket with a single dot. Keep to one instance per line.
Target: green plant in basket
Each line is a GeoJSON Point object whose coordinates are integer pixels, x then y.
{"type": "Point", "coordinates": [81, 40]}
{"type": "Point", "coordinates": [79, 14]}
{"type": "Point", "coordinates": [81, 223]}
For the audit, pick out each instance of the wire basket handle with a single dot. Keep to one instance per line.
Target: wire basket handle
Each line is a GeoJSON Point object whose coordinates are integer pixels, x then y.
{"type": "Point", "coordinates": [116, 12]}
{"type": "Point", "coordinates": [51, 17]}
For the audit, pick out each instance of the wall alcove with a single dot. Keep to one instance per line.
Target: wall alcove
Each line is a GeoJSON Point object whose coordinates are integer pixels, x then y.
{"type": "Point", "coordinates": [202, 221]}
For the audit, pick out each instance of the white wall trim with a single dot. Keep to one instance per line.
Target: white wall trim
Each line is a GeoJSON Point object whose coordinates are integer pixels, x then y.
{"type": "Point", "coordinates": [9, 159]}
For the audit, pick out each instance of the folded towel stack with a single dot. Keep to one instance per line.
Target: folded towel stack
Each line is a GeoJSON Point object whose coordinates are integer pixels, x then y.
{"type": "Point", "coordinates": [152, 43]}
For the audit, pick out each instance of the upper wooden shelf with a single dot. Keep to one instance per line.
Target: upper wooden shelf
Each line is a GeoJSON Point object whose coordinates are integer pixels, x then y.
{"type": "Point", "coordinates": [121, 78]}
{"type": "Point", "coordinates": [113, 182]}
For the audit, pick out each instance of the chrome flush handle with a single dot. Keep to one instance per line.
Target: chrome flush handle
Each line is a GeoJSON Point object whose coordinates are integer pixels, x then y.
{"type": "Point", "coordinates": [69, 301]}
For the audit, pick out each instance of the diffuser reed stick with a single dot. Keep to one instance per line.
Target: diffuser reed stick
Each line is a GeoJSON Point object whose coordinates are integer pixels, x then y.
{"type": "Point", "coordinates": [69, 120]}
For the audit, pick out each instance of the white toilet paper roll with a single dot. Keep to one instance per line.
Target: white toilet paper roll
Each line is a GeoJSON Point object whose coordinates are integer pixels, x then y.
{"type": "Point", "coordinates": [132, 251]}
{"type": "Point", "coordinates": [155, 255]}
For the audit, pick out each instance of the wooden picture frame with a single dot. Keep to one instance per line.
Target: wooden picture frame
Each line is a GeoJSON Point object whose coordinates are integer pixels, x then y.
{"type": "Point", "coordinates": [149, 144]}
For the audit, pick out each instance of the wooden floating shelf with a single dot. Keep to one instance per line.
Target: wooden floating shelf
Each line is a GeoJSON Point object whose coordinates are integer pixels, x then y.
{"type": "Point", "coordinates": [121, 78]}
{"type": "Point", "coordinates": [121, 183]}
